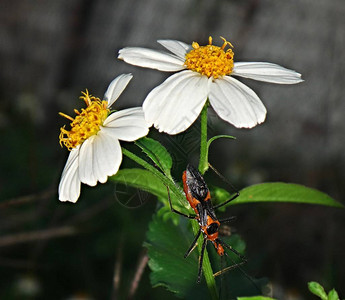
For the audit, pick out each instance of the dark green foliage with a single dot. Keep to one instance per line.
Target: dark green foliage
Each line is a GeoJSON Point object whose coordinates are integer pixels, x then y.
{"type": "Point", "coordinates": [167, 244]}
{"type": "Point", "coordinates": [157, 153]}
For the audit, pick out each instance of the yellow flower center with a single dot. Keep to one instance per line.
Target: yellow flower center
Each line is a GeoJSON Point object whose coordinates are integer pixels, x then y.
{"type": "Point", "coordinates": [86, 123]}
{"type": "Point", "coordinates": [210, 60]}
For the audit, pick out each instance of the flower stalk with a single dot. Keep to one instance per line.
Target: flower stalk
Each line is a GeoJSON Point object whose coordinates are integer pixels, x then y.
{"type": "Point", "coordinates": [207, 269]}
{"type": "Point", "coordinates": [203, 166]}
{"type": "Point", "coordinates": [203, 162]}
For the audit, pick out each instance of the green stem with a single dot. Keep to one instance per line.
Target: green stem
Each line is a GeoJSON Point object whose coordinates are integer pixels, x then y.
{"type": "Point", "coordinates": [203, 162]}
{"type": "Point", "coordinates": [206, 266]}
{"type": "Point", "coordinates": [203, 166]}
{"type": "Point", "coordinates": [207, 270]}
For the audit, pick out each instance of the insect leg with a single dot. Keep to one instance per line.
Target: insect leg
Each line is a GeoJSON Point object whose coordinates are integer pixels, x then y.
{"type": "Point", "coordinates": [227, 181]}
{"type": "Point", "coordinates": [236, 265]}
{"type": "Point", "coordinates": [230, 219]}
{"type": "Point", "coordinates": [227, 201]}
{"type": "Point", "coordinates": [201, 258]}
{"type": "Point", "coordinates": [176, 211]}
{"type": "Point", "coordinates": [192, 246]}
{"type": "Point", "coordinates": [243, 258]}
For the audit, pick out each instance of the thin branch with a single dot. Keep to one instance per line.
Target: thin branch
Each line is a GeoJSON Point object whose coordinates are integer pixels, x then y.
{"type": "Point", "coordinates": [91, 211]}
{"type": "Point", "coordinates": [27, 199]}
{"type": "Point", "coordinates": [117, 270]}
{"type": "Point", "coordinates": [139, 272]}
{"type": "Point", "coordinates": [30, 236]}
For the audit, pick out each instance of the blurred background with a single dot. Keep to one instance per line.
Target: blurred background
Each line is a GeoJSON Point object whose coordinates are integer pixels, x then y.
{"type": "Point", "coordinates": [52, 50]}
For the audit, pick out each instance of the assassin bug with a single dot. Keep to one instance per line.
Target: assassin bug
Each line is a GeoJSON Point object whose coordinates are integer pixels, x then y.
{"type": "Point", "coordinates": [199, 198]}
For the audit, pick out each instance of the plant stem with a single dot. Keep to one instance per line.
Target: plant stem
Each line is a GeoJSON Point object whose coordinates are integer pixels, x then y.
{"type": "Point", "coordinates": [203, 166]}
{"type": "Point", "coordinates": [203, 162]}
{"type": "Point", "coordinates": [207, 270]}
{"type": "Point", "coordinates": [206, 266]}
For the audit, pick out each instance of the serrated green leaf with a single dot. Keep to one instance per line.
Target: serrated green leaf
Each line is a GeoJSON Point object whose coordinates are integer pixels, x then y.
{"type": "Point", "coordinates": [147, 181]}
{"type": "Point", "coordinates": [255, 298]}
{"type": "Point", "coordinates": [141, 179]}
{"type": "Point", "coordinates": [317, 290]}
{"type": "Point", "coordinates": [157, 153]}
{"type": "Point", "coordinates": [166, 214]}
{"type": "Point", "coordinates": [284, 192]}
{"type": "Point", "coordinates": [166, 244]}
{"type": "Point", "coordinates": [333, 295]}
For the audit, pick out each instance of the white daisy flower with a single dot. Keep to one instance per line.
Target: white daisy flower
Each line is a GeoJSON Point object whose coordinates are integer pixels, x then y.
{"type": "Point", "coordinates": [94, 139]}
{"type": "Point", "coordinates": [207, 74]}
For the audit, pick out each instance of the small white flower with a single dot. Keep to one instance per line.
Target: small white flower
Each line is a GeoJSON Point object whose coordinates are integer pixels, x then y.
{"type": "Point", "coordinates": [175, 104]}
{"type": "Point", "coordinates": [94, 139]}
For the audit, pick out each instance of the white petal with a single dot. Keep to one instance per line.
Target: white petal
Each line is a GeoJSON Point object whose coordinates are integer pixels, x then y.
{"type": "Point", "coordinates": [175, 104]}
{"type": "Point", "coordinates": [127, 125]}
{"type": "Point", "coordinates": [236, 103]}
{"type": "Point", "coordinates": [86, 157]}
{"type": "Point", "coordinates": [116, 88]}
{"type": "Point", "coordinates": [100, 156]}
{"type": "Point", "coordinates": [107, 156]}
{"type": "Point", "coordinates": [153, 59]}
{"type": "Point", "coordinates": [180, 49]}
{"type": "Point", "coordinates": [266, 72]}
{"type": "Point", "coordinates": [69, 187]}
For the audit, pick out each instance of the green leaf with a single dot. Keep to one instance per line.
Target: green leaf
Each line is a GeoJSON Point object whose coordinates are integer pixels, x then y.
{"type": "Point", "coordinates": [141, 179]}
{"type": "Point", "coordinates": [333, 295]}
{"type": "Point", "coordinates": [255, 298]}
{"type": "Point", "coordinates": [147, 181]}
{"type": "Point", "coordinates": [219, 195]}
{"type": "Point", "coordinates": [166, 246]}
{"type": "Point", "coordinates": [157, 153]}
{"type": "Point", "coordinates": [317, 290]}
{"type": "Point", "coordinates": [166, 214]}
{"type": "Point", "coordinates": [284, 192]}
{"type": "Point", "coordinates": [218, 137]}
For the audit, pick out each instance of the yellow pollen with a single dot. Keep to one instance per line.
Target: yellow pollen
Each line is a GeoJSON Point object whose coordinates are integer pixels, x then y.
{"type": "Point", "coordinates": [210, 60]}
{"type": "Point", "coordinates": [86, 123]}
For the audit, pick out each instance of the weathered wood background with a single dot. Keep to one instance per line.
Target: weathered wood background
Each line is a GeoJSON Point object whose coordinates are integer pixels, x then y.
{"type": "Point", "coordinates": [52, 49]}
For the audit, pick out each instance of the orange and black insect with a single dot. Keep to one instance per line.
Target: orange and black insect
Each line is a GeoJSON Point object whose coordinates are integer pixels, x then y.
{"type": "Point", "coordinates": [199, 198]}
